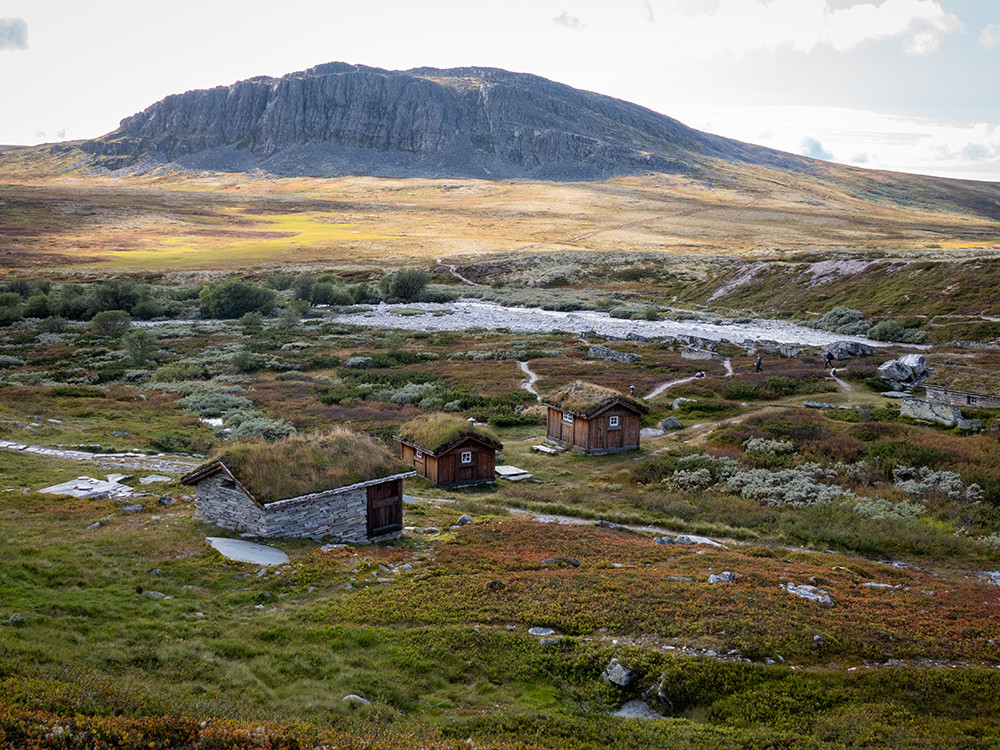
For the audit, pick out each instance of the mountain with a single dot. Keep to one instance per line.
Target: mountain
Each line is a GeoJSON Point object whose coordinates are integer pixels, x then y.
{"type": "Point", "coordinates": [338, 119]}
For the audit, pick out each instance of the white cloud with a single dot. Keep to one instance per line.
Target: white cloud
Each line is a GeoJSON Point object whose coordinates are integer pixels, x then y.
{"type": "Point", "coordinates": [990, 38]}
{"type": "Point", "coordinates": [744, 26]}
{"type": "Point", "coordinates": [862, 138]}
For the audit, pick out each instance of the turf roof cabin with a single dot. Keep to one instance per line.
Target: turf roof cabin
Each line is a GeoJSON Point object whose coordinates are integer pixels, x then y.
{"type": "Point", "coordinates": [341, 485]}
{"type": "Point", "coordinates": [450, 451]}
{"type": "Point", "coordinates": [957, 385]}
{"type": "Point", "coordinates": [594, 419]}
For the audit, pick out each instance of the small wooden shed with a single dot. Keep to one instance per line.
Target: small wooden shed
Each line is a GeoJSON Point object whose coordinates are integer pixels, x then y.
{"type": "Point", "coordinates": [450, 451]}
{"type": "Point", "coordinates": [341, 485]}
{"type": "Point", "coordinates": [594, 419]}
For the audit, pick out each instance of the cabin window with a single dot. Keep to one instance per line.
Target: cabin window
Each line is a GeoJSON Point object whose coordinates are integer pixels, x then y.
{"type": "Point", "coordinates": [972, 400]}
{"type": "Point", "coordinates": [613, 421]}
{"type": "Point", "coordinates": [466, 457]}
{"type": "Point", "coordinates": [418, 455]}
{"type": "Point", "coordinates": [567, 418]}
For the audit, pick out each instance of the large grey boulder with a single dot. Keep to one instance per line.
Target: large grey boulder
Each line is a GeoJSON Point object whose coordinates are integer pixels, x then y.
{"type": "Point", "coordinates": [914, 408]}
{"type": "Point", "coordinates": [908, 370]}
{"type": "Point", "coordinates": [670, 423]}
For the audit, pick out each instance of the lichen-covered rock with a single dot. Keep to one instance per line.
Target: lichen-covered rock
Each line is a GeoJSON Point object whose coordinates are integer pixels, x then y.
{"type": "Point", "coordinates": [924, 410]}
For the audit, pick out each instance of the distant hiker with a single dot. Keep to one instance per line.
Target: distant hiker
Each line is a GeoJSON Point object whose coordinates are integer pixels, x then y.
{"type": "Point", "coordinates": [631, 390]}
{"type": "Point", "coordinates": [829, 358]}
{"type": "Point", "coordinates": [758, 363]}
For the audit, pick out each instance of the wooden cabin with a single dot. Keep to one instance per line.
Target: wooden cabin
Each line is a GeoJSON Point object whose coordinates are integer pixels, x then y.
{"type": "Point", "coordinates": [342, 486]}
{"type": "Point", "coordinates": [593, 419]}
{"type": "Point", "coordinates": [449, 451]}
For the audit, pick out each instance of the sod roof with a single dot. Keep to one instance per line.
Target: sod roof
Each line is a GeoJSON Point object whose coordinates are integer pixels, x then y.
{"type": "Point", "coordinates": [301, 465]}
{"type": "Point", "coordinates": [434, 433]}
{"type": "Point", "coordinates": [586, 399]}
{"type": "Point", "coordinates": [967, 379]}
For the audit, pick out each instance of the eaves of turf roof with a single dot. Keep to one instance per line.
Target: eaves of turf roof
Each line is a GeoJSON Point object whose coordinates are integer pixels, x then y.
{"type": "Point", "coordinates": [585, 400]}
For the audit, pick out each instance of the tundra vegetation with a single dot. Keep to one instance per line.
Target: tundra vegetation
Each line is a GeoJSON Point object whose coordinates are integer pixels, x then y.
{"type": "Point", "coordinates": [217, 337]}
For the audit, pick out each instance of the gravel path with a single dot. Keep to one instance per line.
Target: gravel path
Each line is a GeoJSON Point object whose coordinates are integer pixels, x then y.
{"type": "Point", "coordinates": [163, 463]}
{"type": "Point", "coordinates": [529, 385]}
{"type": "Point", "coordinates": [465, 314]}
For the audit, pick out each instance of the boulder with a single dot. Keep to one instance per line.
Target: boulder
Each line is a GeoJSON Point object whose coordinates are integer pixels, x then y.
{"type": "Point", "coordinates": [616, 674]}
{"type": "Point", "coordinates": [789, 351]}
{"type": "Point", "coordinates": [811, 593]}
{"type": "Point", "coordinates": [848, 349]}
{"type": "Point", "coordinates": [907, 370]}
{"type": "Point", "coordinates": [914, 408]}
{"type": "Point", "coordinates": [969, 425]}
{"type": "Point", "coordinates": [602, 352]}
{"type": "Point", "coordinates": [464, 520]}
{"type": "Point", "coordinates": [724, 577]}
{"type": "Point", "coordinates": [670, 423]}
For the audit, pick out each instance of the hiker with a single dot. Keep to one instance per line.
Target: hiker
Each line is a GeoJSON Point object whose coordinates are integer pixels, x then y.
{"type": "Point", "coordinates": [829, 359]}
{"type": "Point", "coordinates": [758, 363]}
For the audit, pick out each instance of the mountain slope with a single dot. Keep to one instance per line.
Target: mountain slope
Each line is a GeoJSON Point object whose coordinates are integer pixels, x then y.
{"type": "Point", "coordinates": [338, 119]}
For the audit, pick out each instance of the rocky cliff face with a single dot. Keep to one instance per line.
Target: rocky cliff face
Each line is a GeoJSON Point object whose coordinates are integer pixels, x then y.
{"type": "Point", "coordinates": [340, 119]}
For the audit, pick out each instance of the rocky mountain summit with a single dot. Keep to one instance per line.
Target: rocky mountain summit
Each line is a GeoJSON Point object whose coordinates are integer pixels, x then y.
{"type": "Point", "coordinates": [339, 119]}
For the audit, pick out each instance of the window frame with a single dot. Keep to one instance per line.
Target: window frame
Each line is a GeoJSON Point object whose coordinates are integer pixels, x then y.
{"type": "Point", "coordinates": [614, 422]}
{"type": "Point", "coordinates": [466, 457]}
{"type": "Point", "coordinates": [567, 418]}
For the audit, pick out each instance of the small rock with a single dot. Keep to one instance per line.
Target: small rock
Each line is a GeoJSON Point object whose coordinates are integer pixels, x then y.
{"type": "Point", "coordinates": [95, 525]}
{"type": "Point", "coordinates": [352, 698]}
{"type": "Point", "coordinates": [724, 577]}
{"type": "Point", "coordinates": [167, 500]}
{"type": "Point", "coordinates": [464, 520]}
{"type": "Point", "coordinates": [811, 593]}
{"type": "Point", "coordinates": [664, 540]}
{"type": "Point", "coordinates": [616, 674]}
{"type": "Point", "coordinates": [562, 561]}
{"type": "Point", "coordinates": [693, 539]}
{"type": "Point", "coordinates": [541, 631]}
{"type": "Point", "coordinates": [129, 510]}
{"type": "Point", "coordinates": [650, 432]}
{"type": "Point", "coordinates": [15, 620]}
{"type": "Point", "coordinates": [545, 642]}
{"type": "Point", "coordinates": [156, 595]}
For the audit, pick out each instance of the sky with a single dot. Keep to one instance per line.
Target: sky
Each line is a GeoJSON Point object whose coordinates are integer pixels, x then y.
{"type": "Point", "coordinates": [905, 85]}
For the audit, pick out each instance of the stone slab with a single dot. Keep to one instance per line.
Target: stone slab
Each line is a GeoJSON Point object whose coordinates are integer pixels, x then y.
{"type": "Point", "coordinates": [88, 487]}
{"type": "Point", "coordinates": [249, 552]}
{"type": "Point", "coordinates": [512, 473]}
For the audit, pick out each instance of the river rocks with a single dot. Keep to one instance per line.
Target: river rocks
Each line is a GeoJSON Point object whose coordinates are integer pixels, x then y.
{"type": "Point", "coordinates": [925, 411]}
{"type": "Point", "coordinates": [670, 423]}
{"type": "Point", "coordinates": [616, 674]}
{"type": "Point", "coordinates": [602, 352]}
{"type": "Point", "coordinates": [811, 593]}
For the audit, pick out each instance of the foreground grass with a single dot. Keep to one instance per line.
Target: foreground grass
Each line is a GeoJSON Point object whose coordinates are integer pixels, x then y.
{"type": "Point", "coordinates": [441, 648]}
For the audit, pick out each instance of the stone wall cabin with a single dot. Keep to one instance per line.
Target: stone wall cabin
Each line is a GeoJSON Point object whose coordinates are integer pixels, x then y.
{"type": "Point", "coordinates": [342, 486]}
{"type": "Point", "coordinates": [964, 386]}
{"type": "Point", "coordinates": [594, 419]}
{"type": "Point", "coordinates": [450, 451]}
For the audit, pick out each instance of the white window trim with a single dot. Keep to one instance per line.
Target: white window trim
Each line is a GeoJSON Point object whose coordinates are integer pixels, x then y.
{"type": "Point", "coordinates": [466, 457]}
{"type": "Point", "coordinates": [567, 417]}
{"type": "Point", "coordinates": [418, 455]}
{"type": "Point", "coordinates": [613, 421]}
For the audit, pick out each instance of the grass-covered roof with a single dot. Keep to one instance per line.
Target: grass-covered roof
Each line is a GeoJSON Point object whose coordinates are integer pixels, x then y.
{"type": "Point", "coordinates": [585, 399]}
{"type": "Point", "coordinates": [433, 433]}
{"type": "Point", "coordinates": [968, 379]}
{"type": "Point", "coordinates": [302, 465]}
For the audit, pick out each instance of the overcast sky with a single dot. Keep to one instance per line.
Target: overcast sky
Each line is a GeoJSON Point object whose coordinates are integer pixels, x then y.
{"type": "Point", "coordinates": [909, 85]}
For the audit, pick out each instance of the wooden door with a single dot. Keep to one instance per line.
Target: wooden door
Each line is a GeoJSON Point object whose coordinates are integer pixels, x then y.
{"type": "Point", "coordinates": [385, 508]}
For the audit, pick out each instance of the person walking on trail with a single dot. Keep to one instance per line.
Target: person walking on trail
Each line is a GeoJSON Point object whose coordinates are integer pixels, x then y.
{"type": "Point", "coordinates": [829, 359]}
{"type": "Point", "coordinates": [757, 363]}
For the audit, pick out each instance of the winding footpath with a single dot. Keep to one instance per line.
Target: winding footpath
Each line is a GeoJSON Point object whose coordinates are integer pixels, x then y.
{"type": "Point", "coordinates": [162, 463]}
